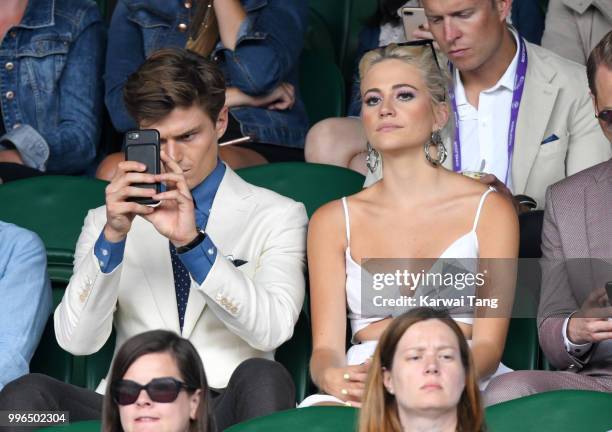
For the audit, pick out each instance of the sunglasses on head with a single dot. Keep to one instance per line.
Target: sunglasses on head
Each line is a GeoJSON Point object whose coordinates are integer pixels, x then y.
{"type": "Point", "coordinates": [425, 43]}
{"type": "Point", "coordinates": [163, 390]}
{"type": "Point", "coordinates": [606, 117]}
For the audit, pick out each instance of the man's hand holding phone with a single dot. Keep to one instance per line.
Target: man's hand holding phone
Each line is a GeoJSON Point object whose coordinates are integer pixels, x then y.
{"type": "Point", "coordinates": [590, 323]}
{"type": "Point", "coordinates": [174, 218]}
{"type": "Point", "coordinates": [119, 211]}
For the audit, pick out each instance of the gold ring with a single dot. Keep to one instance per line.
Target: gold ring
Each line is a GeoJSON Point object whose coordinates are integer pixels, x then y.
{"type": "Point", "coordinates": [344, 392]}
{"type": "Point", "coordinates": [346, 376]}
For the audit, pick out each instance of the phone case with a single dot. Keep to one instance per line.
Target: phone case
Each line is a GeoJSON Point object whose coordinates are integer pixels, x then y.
{"type": "Point", "coordinates": [412, 18]}
{"type": "Point", "coordinates": [143, 146]}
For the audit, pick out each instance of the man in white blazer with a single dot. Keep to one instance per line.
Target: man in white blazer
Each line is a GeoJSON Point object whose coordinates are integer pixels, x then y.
{"type": "Point", "coordinates": [219, 261]}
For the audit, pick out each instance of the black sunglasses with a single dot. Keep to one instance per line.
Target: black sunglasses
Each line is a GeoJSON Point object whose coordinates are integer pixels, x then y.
{"type": "Point", "coordinates": [606, 117]}
{"type": "Point", "coordinates": [424, 43]}
{"type": "Point", "coordinates": [162, 390]}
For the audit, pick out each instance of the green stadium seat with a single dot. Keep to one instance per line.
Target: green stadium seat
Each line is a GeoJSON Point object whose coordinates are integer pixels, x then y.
{"type": "Point", "coordinates": [313, 185]}
{"type": "Point", "coordinates": [54, 207]}
{"type": "Point", "coordinates": [559, 411]}
{"type": "Point", "coordinates": [321, 87]}
{"type": "Point", "coordinates": [318, 38]}
{"type": "Point", "coordinates": [83, 426]}
{"type": "Point", "coordinates": [522, 349]}
{"type": "Point", "coordinates": [360, 10]}
{"type": "Point", "coordinates": [336, 14]}
{"type": "Point", "coordinates": [312, 419]}
{"type": "Point", "coordinates": [309, 183]}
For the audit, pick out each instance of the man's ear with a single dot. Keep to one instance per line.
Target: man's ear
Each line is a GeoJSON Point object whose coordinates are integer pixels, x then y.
{"type": "Point", "coordinates": [221, 123]}
{"type": "Point", "coordinates": [504, 9]}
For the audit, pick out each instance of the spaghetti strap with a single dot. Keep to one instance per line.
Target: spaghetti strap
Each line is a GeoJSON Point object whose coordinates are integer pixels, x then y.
{"type": "Point", "coordinates": [482, 199]}
{"type": "Point", "coordinates": [347, 222]}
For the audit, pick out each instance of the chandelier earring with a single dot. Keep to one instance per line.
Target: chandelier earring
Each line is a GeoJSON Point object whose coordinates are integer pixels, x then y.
{"type": "Point", "coordinates": [436, 140]}
{"type": "Point", "coordinates": [372, 158]}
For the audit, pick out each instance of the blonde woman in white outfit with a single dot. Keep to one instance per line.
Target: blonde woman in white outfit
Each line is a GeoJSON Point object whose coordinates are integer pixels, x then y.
{"type": "Point", "coordinates": [418, 210]}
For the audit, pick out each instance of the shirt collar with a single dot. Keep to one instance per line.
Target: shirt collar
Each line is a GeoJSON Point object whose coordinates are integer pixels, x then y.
{"type": "Point", "coordinates": [38, 13]}
{"type": "Point", "coordinates": [204, 193]}
{"type": "Point", "coordinates": [506, 81]}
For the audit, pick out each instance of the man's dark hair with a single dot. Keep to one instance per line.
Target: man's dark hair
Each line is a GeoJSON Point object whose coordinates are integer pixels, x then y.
{"type": "Point", "coordinates": [174, 78]}
{"type": "Point", "coordinates": [601, 55]}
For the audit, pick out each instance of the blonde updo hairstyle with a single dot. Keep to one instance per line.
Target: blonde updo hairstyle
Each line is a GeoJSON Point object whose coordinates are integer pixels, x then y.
{"type": "Point", "coordinates": [421, 57]}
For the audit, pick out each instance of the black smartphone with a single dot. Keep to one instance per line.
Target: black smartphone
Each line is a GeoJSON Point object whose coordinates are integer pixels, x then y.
{"type": "Point", "coordinates": [609, 291]}
{"type": "Point", "coordinates": [143, 146]}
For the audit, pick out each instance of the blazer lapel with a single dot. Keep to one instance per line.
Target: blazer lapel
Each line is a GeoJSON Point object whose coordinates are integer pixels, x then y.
{"type": "Point", "coordinates": [230, 212]}
{"type": "Point", "coordinates": [536, 107]}
{"type": "Point", "coordinates": [153, 256]}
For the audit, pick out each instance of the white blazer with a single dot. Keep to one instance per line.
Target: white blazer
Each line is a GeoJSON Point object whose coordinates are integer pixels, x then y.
{"type": "Point", "coordinates": [239, 312]}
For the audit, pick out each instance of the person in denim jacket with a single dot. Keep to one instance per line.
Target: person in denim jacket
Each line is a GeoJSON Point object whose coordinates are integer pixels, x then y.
{"type": "Point", "coordinates": [258, 48]}
{"type": "Point", "coordinates": [51, 58]}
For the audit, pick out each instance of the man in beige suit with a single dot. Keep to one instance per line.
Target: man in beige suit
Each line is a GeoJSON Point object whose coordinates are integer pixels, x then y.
{"type": "Point", "coordinates": [219, 261]}
{"type": "Point", "coordinates": [575, 328]}
{"type": "Point", "coordinates": [556, 133]}
{"type": "Point", "coordinates": [574, 27]}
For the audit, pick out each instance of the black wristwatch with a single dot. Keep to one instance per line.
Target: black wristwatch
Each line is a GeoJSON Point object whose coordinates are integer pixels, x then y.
{"type": "Point", "coordinates": [193, 243]}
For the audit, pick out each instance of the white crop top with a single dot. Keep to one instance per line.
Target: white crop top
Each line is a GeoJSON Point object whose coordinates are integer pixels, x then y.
{"type": "Point", "coordinates": [465, 246]}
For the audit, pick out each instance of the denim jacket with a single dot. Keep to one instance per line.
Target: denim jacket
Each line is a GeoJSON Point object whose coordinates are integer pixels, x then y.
{"type": "Point", "coordinates": [267, 53]}
{"type": "Point", "coordinates": [50, 84]}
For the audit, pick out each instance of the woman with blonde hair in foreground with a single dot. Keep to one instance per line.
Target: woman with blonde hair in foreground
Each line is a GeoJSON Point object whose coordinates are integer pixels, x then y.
{"type": "Point", "coordinates": [418, 211]}
{"type": "Point", "coordinates": [422, 378]}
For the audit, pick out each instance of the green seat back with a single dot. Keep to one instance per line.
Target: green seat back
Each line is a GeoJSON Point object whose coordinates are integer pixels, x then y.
{"type": "Point", "coordinates": [522, 349]}
{"type": "Point", "coordinates": [82, 426]}
{"type": "Point", "coordinates": [318, 38]}
{"type": "Point", "coordinates": [559, 411]}
{"type": "Point", "coordinates": [312, 419]}
{"type": "Point", "coordinates": [321, 87]}
{"type": "Point", "coordinates": [309, 183]}
{"type": "Point", "coordinates": [360, 11]}
{"type": "Point", "coordinates": [49, 358]}
{"type": "Point", "coordinates": [313, 185]}
{"type": "Point", "coordinates": [336, 14]}
{"type": "Point", "coordinates": [54, 207]}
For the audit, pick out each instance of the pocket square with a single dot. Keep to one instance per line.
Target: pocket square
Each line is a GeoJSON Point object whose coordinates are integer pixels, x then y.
{"type": "Point", "coordinates": [236, 262]}
{"type": "Point", "coordinates": [550, 139]}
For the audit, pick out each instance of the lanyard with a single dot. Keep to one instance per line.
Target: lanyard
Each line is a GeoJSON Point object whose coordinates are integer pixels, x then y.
{"type": "Point", "coordinates": [517, 94]}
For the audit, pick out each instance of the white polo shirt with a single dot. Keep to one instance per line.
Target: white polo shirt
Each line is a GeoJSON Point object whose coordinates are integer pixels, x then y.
{"type": "Point", "coordinates": [484, 130]}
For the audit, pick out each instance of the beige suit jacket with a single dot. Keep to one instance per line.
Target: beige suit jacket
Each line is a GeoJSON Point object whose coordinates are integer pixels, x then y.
{"type": "Point", "coordinates": [239, 312]}
{"type": "Point", "coordinates": [577, 226]}
{"type": "Point", "coordinates": [555, 102]}
{"type": "Point", "coordinates": [574, 27]}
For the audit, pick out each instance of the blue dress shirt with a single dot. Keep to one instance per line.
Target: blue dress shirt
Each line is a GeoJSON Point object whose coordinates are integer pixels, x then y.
{"type": "Point", "coordinates": [26, 299]}
{"type": "Point", "coordinates": [198, 260]}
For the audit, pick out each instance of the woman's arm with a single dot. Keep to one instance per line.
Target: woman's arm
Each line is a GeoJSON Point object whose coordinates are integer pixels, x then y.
{"type": "Point", "coordinates": [498, 237]}
{"type": "Point", "coordinates": [326, 267]}
{"type": "Point", "coordinates": [267, 46]}
{"type": "Point", "coordinates": [230, 15]}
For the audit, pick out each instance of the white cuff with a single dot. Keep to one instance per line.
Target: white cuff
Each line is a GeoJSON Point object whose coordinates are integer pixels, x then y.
{"type": "Point", "coordinates": [577, 350]}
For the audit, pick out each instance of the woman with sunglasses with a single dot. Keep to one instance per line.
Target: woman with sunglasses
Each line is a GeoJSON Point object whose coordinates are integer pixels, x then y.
{"type": "Point", "coordinates": [418, 210]}
{"type": "Point", "coordinates": [157, 382]}
{"type": "Point", "coordinates": [422, 378]}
